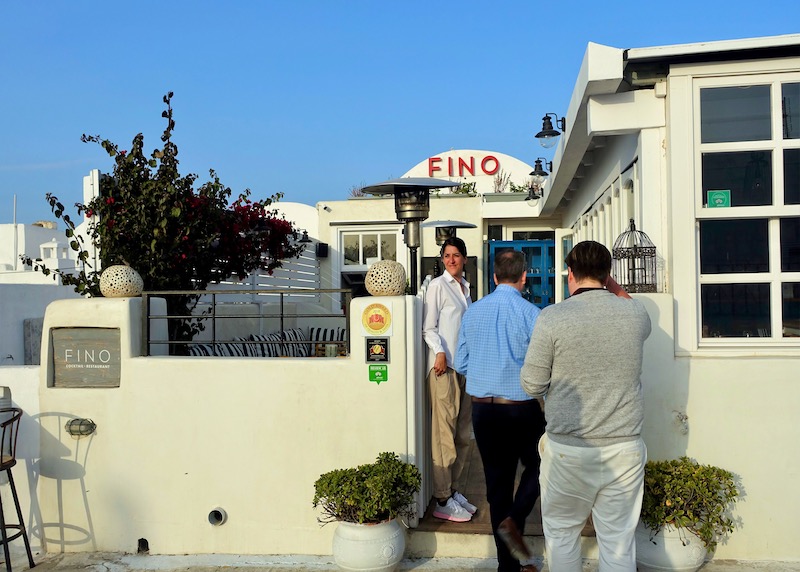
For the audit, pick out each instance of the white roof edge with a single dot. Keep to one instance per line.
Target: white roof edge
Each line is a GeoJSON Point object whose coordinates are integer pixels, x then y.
{"type": "Point", "coordinates": [712, 47]}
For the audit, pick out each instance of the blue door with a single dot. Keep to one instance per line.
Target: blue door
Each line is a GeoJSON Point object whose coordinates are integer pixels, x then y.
{"type": "Point", "coordinates": [540, 280]}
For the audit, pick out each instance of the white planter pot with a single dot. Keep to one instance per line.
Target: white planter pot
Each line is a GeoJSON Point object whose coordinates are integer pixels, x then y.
{"type": "Point", "coordinates": [377, 547]}
{"type": "Point", "coordinates": [670, 548]}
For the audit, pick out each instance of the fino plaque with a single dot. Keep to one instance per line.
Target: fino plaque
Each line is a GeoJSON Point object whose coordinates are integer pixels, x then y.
{"type": "Point", "coordinates": [86, 357]}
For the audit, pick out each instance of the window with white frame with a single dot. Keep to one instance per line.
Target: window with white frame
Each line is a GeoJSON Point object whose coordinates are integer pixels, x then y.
{"type": "Point", "coordinates": [749, 209]}
{"type": "Point", "coordinates": [362, 248]}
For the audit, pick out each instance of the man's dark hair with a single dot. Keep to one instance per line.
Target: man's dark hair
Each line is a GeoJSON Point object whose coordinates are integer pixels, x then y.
{"type": "Point", "coordinates": [457, 242]}
{"type": "Point", "coordinates": [589, 259]}
{"type": "Point", "coordinates": [509, 266]}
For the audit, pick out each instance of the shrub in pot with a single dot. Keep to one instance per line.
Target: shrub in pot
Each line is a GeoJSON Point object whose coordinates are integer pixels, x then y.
{"type": "Point", "coordinates": [366, 501]}
{"type": "Point", "coordinates": [685, 512]}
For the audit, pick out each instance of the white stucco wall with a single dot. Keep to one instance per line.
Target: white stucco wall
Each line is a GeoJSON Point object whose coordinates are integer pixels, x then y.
{"type": "Point", "coordinates": [740, 416]}
{"type": "Point", "coordinates": [19, 302]}
{"type": "Point", "coordinates": [182, 436]}
{"type": "Point", "coordinates": [303, 217]}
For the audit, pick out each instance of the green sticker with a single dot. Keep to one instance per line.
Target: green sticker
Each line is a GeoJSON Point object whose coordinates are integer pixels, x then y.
{"type": "Point", "coordinates": [378, 373]}
{"type": "Point", "coordinates": [719, 199]}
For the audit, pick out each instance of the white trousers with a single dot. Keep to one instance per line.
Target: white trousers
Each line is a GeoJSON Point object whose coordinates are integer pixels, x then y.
{"type": "Point", "coordinates": [605, 481]}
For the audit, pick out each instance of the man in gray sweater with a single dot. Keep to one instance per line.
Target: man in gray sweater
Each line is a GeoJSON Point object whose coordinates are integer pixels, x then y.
{"type": "Point", "coordinates": [585, 358]}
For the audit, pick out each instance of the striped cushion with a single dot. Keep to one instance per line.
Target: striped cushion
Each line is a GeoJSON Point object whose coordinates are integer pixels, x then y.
{"type": "Point", "coordinates": [201, 350]}
{"type": "Point", "coordinates": [250, 349]}
{"type": "Point", "coordinates": [272, 346]}
{"type": "Point", "coordinates": [327, 334]}
{"type": "Point", "coordinates": [221, 349]}
{"type": "Point", "coordinates": [230, 349]}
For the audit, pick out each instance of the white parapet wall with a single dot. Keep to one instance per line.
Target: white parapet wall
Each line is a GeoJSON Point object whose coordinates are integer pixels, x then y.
{"type": "Point", "coordinates": [183, 436]}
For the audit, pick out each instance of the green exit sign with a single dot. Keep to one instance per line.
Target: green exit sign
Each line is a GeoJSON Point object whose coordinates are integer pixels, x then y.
{"type": "Point", "coordinates": [719, 199]}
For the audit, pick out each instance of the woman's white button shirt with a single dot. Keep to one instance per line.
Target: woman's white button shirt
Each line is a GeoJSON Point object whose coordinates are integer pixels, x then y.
{"type": "Point", "coordinates": [446, 300]}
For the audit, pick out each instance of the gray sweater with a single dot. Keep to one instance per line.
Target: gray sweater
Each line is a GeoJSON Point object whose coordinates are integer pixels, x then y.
{"type": "Point", "coordinates": [585, 357]}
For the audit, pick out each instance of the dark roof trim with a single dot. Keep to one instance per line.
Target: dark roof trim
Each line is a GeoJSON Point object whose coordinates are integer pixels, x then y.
{"type": "Point", "coordinates": [751, 53]}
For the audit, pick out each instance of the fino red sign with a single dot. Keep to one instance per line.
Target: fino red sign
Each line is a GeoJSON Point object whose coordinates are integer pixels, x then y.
{"type": "Point", "coordinates": [461, 167]}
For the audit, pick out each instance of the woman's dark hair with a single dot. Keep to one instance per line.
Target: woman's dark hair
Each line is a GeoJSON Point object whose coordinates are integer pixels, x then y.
{"type": "Point", "coordinates": [589, 259]}
{"type": "Point", "coordinates": [457, 242]}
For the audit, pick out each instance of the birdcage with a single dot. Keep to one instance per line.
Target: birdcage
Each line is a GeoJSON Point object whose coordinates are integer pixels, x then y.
{"type": "Point", "coordinates": [634, 261]}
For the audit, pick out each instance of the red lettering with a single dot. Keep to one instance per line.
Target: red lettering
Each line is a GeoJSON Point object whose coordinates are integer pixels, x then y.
{"type": "Point", "coordinates": [485, 162]}
{"type": "Point", "coordinates": [432, 167]}
{"type": "Point", "coordinates": [490, 165]}
{"type": "Point", "coordinates": [469, 167]}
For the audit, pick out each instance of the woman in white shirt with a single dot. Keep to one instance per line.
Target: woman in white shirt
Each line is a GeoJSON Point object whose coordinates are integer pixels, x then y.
{"type": "Point", "coordinates": [446, 299]}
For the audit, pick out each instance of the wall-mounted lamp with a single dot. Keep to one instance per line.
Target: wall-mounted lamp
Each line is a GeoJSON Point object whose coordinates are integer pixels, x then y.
{"type": "Point", "coordinates": [80, 427]}
{"type": "Point", "coordinates": [538, 176]}
{"type": "Point", "coordinates": [548, 136]}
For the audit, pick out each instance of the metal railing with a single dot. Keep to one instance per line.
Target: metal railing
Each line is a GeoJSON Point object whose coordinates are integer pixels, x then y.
{"type": "Point", "coordinates": [209, 316]}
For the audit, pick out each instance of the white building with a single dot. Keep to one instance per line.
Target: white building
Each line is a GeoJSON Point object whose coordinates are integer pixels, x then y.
{"type": "Point", "coordinates": [38, 240]}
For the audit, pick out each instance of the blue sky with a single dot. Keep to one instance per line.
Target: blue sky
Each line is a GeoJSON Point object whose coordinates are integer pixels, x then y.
{"type": "Point", "coordinates": [308, 98]}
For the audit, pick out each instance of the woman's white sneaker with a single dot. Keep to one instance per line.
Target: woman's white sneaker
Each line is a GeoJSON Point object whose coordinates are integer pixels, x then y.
{"type": "Point", "coordinates": [452, 511]}
{"type": "Point", "coordinates": [462, 500]}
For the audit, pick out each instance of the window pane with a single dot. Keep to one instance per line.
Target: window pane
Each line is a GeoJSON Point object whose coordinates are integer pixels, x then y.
{"type": "Point", "coordinates": [791, 176]}
{"type": "Point", "coordinates": [532, 291]}
{"type": "Point", "coordinates": [735, 310]}
{"type": "Point", "coordinates": [566, 246]}
{"type": "Point", "coordinates": [735, 114]}
{"type": "Point", "coordinates": [791, 110]}
{"type": "Point", "coordinates": [747, 175]}
{"type": "Point", "coordinates": [352, 250]}
{"type": "Point", "coordinates": [733, 246]}
{"type": "Point", "coordinates": [388, 247]}
{"type": "Point", "coordinates": [369, 243]}
{"type": "Point", "coordinates": [534, 255]}
{"type": "Point", "coordinates": [791, 309]}
{"type": "Point", "coordinates": [790, 244]}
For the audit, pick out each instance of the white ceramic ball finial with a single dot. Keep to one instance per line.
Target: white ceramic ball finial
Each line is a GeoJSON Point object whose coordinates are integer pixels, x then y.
{"type": "Point", "coordinates": [386, 278]}
{"type": "Point", "coordinates": [120, 281]}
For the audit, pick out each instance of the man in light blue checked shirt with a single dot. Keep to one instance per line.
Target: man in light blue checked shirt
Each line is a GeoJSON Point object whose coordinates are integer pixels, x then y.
{"type": "Point", "coordinates": [492, 343]}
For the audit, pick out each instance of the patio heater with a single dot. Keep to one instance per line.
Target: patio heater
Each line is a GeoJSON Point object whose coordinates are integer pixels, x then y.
{"type": "Point", "coordinates": [634, 261]}
{"type": "Point", "coordinates": [411, 206]}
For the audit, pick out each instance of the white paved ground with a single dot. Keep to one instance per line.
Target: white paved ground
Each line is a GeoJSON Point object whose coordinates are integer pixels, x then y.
{"type": "Point", "coordinates": [107, 562]}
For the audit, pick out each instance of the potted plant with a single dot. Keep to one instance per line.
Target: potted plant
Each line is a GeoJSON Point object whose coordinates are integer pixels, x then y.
{"type": "Point", "coordinates": [367, 501]}
{"type": "Point", "coordinates": [685, 512]}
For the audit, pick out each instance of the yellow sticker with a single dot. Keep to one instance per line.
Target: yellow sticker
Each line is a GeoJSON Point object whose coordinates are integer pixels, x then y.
{"type": "Point", "coordinates": [376, 319]}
